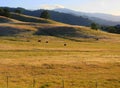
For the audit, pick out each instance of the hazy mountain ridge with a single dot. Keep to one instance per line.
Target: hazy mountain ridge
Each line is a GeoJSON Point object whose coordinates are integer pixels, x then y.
{"type": "Point", "coordinates": [104, 16]}
{"type": "Point", "coordinates": [100, 18]}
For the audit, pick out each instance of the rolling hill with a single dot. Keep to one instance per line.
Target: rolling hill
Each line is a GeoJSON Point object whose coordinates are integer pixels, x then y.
{"type": "Point", "coordinates": [26, 18]}
{"type": "Point", "coordinates": [57, 16]}
{"type": "Point", "coordinates": [40, 27]}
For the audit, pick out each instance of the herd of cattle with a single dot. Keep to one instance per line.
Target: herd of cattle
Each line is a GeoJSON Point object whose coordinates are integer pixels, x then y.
{"type": "Point", "coordinates": [48, 42]}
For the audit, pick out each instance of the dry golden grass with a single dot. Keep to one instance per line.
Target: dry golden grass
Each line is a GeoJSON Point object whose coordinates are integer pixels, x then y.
{"type": "Point", "coordinates": [79, 64]}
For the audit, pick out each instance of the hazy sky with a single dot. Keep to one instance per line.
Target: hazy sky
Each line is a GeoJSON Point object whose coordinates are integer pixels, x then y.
{"type": "Point", "coordinates": [102, 6]}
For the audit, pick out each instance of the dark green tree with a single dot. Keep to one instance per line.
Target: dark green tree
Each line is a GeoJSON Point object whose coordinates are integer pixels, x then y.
{"type": "Point", "coordinates": [18, 11]}
{"type": "Point", "coordinates": [6, 12]}
{"type": "Point", "coordinates": [111, 29]}
{"type": "Point", "coordinates": [1, 12]}
{"type": "Point", "coordinates": [94, 26]}
{"type": "Point", "coordinates": [45, 14]}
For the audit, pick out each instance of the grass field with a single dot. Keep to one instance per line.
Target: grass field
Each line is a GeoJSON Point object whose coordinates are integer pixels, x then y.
{"type": "Point", "coordinates": [84, 63]}
{"type": "Point", "coordinates": [79, 64]}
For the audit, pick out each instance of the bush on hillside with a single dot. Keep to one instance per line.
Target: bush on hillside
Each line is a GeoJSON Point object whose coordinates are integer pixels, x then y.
{"type": "Point", "coordinates": [18, 11]}
{"type": "Point", "coordinates": [45, 14]}
{"type": "Point", "coordinates": [94, 26]}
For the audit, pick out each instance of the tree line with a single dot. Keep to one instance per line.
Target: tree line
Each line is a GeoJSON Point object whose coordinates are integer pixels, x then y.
{"type": "Point", "coordinates": [111, 29]}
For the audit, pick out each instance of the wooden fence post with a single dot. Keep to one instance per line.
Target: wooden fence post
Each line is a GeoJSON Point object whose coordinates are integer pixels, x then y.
{"type": "Point", "coordinates": [7, 81]}
{"type": "Point", "coordinates": [34, 82]}
{"type": "Point", "coordinates": [96, 84]}
{"type": "Point", "coordinates": [63, 85]}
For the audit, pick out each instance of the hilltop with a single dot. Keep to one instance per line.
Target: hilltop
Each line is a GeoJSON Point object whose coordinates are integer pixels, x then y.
{"type": "Point", "coordinates": [26, 18]}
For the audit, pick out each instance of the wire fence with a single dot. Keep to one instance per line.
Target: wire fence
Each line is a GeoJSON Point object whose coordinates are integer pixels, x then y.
{"type": "Point", "coordinates": [61, 83]}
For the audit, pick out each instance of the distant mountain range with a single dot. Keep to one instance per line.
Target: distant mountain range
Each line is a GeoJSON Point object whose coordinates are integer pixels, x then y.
{"type": "Point", "coordinates": [108, 17]}
{"type": "Point", "coordinates": [74, 17]}
{"type": "Point", "coordinates": [100, 18]}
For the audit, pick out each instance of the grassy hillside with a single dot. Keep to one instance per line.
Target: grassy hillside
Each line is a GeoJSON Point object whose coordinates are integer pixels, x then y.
{"type": "Point", "coordinates": [6, 20]}
{"type": "Point", "coordinates": [75, 33]}
{"type": "Point", "coordinates": [79, 64]}
{"type": "Point", "coordinates": [26, 18]}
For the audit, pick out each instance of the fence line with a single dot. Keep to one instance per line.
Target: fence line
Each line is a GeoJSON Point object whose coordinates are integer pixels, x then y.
{"type": "Point", "coordinates": [63, 83]}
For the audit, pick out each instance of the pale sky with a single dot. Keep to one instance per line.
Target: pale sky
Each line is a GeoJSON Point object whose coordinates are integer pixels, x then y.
{"type": "Point", "coordinates": [96, 6]}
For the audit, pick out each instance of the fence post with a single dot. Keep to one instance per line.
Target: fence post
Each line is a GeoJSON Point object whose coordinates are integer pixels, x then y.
{"type": "Point", "coordinates": [96, 84]}
{"type": "Point", "coordinates": [34, 82]}
{"type": "Point", "coordinates": [63, 85]}
{"type": "Point", "coordinates": [7, 81]}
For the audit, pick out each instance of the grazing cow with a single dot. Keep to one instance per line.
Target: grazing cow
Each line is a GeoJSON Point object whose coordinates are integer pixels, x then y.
{"type": "Point", "coordinates": [39, 40]}
{"type": "Point", "coordinates": [97, 39]}
{"type": "Point", "coordinates": [65, 44]}
{"type": "Point", "coordinates": [46, 42]}
{"type": "Point", "coordinates": [28, 40]}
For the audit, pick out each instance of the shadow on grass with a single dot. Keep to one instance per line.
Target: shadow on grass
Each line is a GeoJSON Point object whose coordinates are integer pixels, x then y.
{"type": "Point", "coordinates": [9, 31]}
{"type": "Point", "coordinates": [69, 33]}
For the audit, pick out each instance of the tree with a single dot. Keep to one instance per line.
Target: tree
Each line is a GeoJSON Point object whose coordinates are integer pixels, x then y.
{"type": "Point", "coordinates": [1, 11]}
{"type": "Point", "coordinates": [45, 14]}
{"type": "Point", "coordinates": [18, 11]}
{"type": "Point", "coordinates": [94, 26]}
{"type": "Point", "coordinates": [6, 12]}
{"type": "Point", "coordinates": [111, 29]}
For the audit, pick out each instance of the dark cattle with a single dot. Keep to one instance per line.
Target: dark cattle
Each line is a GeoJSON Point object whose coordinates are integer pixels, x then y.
{"type": "Point", "coordinates": [28, 40]}
{"type": "Point", "coordinates": [46, 42]}
{"type": "Point", "coordinates": [97, 39]}
{"type": "Point", "coordinates": [39, 40]}
{"type": "Point", "coordinates": [65, 44]}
